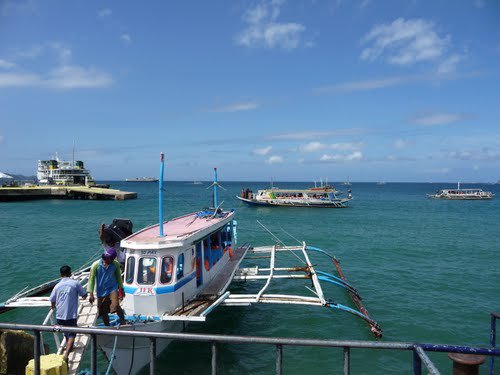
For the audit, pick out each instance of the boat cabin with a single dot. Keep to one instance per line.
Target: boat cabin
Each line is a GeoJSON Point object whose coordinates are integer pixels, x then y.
{"type": "Point", "coordinates": [162, 274]}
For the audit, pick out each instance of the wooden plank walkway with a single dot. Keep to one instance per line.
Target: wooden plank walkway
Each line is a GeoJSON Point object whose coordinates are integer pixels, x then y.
{"type": "Point", "coordinates": [215, 288]}
{"type": "Point", "coordinates": [86, 318]}
{"type": "Point", "coordinates": [219, 283]}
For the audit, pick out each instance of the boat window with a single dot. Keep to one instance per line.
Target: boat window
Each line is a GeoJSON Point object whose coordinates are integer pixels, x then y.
{"type": "Point", "coordinates": [129, 274]}
{"type": "Point", "coordinates": [180, 266]}
{"type": "Point", "coordinates": [147, 270]}
{"type": "Point", "coordinates": [206, 253]}
{"type": "Point", "coordinates": [167, 265]}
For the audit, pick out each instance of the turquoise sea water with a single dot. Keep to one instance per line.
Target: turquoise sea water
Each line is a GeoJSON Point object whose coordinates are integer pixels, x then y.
{"type": "Point", "coordinates": [428, 270]}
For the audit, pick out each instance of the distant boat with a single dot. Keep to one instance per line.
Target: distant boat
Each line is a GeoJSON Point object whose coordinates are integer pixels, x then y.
{"type": "Point", "coordinates": [381, 183]}
{"type": "Point", "coordinates": [142, 179]}
{"type": "Point", "coordinates": [462, 194]}
{"type": "Point", "coordinates": [324, 196]}
{"type": "Point", "coordinates": [346, 183]}
{"type": "Point", "coordinates": [197, 183]}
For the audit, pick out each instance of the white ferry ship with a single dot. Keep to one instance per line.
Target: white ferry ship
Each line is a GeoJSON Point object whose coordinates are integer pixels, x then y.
{"type": "Point", "coordinates": [142, 179]}
{"type": "Point", "coordinates": [462, 194]}
{"type": "Point", "coordinates": [61, 172]}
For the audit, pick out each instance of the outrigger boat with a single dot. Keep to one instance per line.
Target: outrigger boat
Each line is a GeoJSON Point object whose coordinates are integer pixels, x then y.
{"type": "Point", "coordinates": [462, 194]}
{"type": "Point", "coordinates": [323, 196]}
{"type": "Point", "coordinates": [179, 271]}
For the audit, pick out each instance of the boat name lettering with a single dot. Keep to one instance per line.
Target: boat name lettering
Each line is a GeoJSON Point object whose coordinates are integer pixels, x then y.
{"type": "Point", "coordinates": [145, 291]}
{"type": "Point", "coordinates": [149, 252]}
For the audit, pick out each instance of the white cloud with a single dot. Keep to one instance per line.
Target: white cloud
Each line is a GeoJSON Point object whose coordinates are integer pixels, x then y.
{"type": "Point", "coordinates": [263, 30]}
{"type": "Point", "coordinates": [449, 65]}
{"type": "Point", "coordinates": [355, 156]}
{"type": "Point", "coordinates": [64, 75]}
{"type": "Point", "coordinates": [275, 159]}
{"type": "Point", "coordinates": [370, 84]}
{"type": "Point", "coordinates": [439, 119]}
{"type": "Point", "coordinates": [235, 107]}
{"type": "Point", "coordinates": [19, 80]}
{"type": "Point", "coordinates": [437, 171]}
{"type": "Point", "coordinates": [400, 143]}
{"type": "Point", "coordinates": [318, 146]}
{"type": "Point", "coordinates": [315, 134]}
{"type": "Point", "coordinates": [364, 4]}
{"type": "Point", "coordinates": [106, 12]}
{"type": "Point", "coordinates": [262, 151]}
{"type": "Point", "coordinates": [73, 77]}
{"type": "Point", "coordinates": [479, 3]}
{"type": "Point", "coordinates": [126, 38]}
{"type": "Point", "coordinates": [404, 42]}
{"type": "Point", "coordinates": [484, 154]}
{"type": "Point", "coordinates": [4, 64]}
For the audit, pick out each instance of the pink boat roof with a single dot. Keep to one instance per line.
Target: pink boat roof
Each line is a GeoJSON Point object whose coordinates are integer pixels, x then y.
{"type": "Point", "coordinates": [177, 229]}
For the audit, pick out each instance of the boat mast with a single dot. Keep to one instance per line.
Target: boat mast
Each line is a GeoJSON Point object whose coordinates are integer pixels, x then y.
{"type": "Point", "coordinates": [215, 188]}
{"type": "Point", "coordinates": [160, 195]}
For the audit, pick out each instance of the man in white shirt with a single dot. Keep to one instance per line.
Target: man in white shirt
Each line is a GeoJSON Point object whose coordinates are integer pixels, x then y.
{"type": "Point", "coordinates": [64, 298]}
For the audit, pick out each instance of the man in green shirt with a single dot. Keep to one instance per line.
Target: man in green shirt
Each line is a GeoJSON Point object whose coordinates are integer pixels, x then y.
{"type": "Point", "coordinates": [105, 278]}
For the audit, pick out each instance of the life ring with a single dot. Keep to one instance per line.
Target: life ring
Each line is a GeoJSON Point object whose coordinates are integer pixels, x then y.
{"type": "Point", "coordinates": [207, 265]}
{"type": "Point", "coordinates": [230, 252]}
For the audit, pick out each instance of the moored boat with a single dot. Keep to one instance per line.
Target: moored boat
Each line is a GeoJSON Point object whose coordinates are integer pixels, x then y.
{"type": "Point", "coordinates": [63, 172]}
{"type": "Point", "coordinates": [322, 196]}
{"type": "Point", "coordinates": [462, 194]}
{"type": "Point", "coordinates": [142, 179]}
{"type": "Point", "coordinates": [178, 271]}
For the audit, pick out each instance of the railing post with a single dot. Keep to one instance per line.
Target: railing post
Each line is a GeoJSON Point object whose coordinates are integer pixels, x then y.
{"type": "Point", "coordinates": [93, 354]}
{"type": "Point", "coordinates": [279, 359]}
{"type": "Point", "coordinates": [214, 358]}
{"type": "Point", "coordinates": [347, 360]}
{"type": "Point", "coordinates": [417, 363]}
{"type": "Point", "coordinates": [152, 352]}
{"type": "Point", "coordinates": [493, 333]}
{"type": "Point", "coordinates": [36, 353]}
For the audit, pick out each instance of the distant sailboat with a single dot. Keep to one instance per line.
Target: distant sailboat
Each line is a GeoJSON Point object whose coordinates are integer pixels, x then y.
{"type": "Point", "coordinates": [346, 183]}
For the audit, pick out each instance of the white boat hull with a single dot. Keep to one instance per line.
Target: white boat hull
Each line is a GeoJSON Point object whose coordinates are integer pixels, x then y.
{"type": "Point", "coordinates": [132, 354]}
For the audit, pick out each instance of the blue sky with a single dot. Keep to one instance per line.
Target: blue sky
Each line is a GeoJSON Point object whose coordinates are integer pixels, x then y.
{"type": "Point", "coordinates": [369, 90]}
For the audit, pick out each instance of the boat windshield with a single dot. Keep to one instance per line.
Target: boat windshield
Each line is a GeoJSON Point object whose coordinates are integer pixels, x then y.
{"type": "Point", "coordinates": [147, 271]}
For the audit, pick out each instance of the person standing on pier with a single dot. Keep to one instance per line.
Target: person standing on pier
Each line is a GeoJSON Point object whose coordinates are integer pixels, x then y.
{"type": "Point", "coordinates": [64, 298]}
{"type": "Point", "coordinates": [105, 277]}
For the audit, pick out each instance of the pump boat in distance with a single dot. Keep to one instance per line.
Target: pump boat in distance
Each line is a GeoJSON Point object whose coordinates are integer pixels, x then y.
{"type": "Point", "coordinates": [178, 272]}
{"type": "Point", "coordinates": [324, 196]}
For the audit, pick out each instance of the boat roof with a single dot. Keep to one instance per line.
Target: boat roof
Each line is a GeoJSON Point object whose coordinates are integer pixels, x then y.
{"type": "Point", "coordinates": [307, 190]}
{"type": "Point", "coordinates": [180, 231]}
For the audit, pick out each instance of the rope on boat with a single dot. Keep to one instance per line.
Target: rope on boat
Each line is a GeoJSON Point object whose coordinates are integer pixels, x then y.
{"type": "Point", "coordinates": [112, 356]}
{"type": "Point", "coordinates": [281, 242]}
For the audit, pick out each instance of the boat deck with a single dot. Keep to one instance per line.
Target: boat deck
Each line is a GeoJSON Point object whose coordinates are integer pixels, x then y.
{"type": "Point", "coordinates": [87, 317]}
{"type": "Point", "coordinates": [214, 293]}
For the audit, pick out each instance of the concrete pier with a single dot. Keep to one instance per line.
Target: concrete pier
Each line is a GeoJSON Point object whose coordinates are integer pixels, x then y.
{"type": "Point", "coordinates": [22, 193]}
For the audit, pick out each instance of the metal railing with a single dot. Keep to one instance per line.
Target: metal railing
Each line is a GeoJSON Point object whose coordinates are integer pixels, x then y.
{"type": "Point", "coordinates": [493, 334]}
{"type": "Point", "coordinates": [419, 350]}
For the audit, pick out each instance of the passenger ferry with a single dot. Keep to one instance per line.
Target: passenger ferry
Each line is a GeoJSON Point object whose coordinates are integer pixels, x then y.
{"type": "Point", "coordinates": [62, 172]}
{"type": "Point", "coordinates": [462, 194]}
{"type": "Point", "coordinates": [322, 196]}
{"type": "Point", "coordinates": [142, 179]}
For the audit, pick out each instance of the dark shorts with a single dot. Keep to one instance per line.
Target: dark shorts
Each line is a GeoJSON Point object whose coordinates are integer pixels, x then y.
{"type": "Point", "coordinates": [68, 323]}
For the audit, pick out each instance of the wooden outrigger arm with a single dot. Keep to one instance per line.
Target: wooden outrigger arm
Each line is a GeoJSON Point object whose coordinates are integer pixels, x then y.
{"type": "Point", "coordinates": [308, 271]}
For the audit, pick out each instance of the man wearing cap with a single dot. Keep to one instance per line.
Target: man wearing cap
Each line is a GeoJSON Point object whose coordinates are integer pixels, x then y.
{"type": "Point", "coordinates": [64, 298]}
{"type": "Point", "coordinates": [105, 277]}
